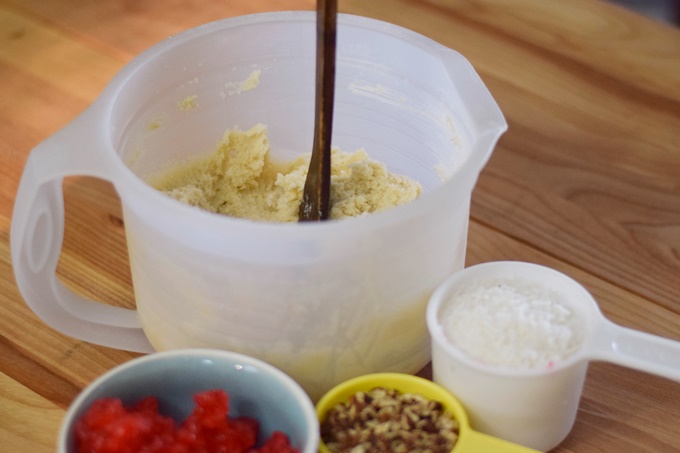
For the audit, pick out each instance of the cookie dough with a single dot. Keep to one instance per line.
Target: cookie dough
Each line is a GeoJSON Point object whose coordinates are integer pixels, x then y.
{"type": "Point", "coordinates": [241, 180]}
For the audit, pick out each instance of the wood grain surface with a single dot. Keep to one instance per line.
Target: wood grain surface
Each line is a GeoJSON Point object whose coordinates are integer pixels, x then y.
{"type": "Point", "coordinates": [587, 179]}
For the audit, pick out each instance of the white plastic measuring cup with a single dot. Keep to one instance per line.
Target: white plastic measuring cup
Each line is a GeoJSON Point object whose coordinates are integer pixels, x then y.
{"type": "Point", "coordinates": [537, 407]}
{"type": "Point", "coordinates": [323, 302]}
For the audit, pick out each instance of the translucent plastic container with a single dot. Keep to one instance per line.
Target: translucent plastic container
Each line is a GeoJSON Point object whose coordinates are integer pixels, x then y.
{"type": "Point", "coordinates": [324, 302]}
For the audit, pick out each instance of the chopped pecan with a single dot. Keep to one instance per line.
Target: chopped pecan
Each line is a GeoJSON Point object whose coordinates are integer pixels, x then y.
{"type": "Point", "coordinates": [385, 420]}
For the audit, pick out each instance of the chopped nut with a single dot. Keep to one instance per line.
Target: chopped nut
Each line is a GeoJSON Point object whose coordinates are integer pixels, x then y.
{"type": "Point", "coordinates": [385, 420]}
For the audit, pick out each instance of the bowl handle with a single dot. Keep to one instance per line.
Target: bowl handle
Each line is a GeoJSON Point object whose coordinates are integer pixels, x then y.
{"type": "Point", "coordinates": [37, 232]}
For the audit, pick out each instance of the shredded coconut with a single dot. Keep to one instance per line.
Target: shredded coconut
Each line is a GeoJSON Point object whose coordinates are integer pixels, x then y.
{"type": "Point", "coordinates": [512, 323]}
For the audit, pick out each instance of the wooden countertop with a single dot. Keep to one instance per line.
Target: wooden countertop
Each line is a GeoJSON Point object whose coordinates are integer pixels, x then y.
{"type": "Point", "coordinates": [587, 179]}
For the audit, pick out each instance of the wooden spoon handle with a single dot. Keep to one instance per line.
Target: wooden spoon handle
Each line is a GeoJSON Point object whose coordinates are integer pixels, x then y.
{"type": "Point", "coordinates": [315, 203]}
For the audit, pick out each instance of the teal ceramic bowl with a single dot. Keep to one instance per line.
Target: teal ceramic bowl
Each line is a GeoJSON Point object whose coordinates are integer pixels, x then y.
{"type": "Point", "coordinates": [256, 389]}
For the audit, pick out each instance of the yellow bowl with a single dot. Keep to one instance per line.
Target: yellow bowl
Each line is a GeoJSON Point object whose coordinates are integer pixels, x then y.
{"type": "Point", "coordinates": [469, 441]}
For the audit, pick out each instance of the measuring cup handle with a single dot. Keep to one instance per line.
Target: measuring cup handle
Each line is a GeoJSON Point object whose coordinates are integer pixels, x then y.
{"type": "Point", "coordinates": [37, 233]}
{"type": "Point", "coordinates": [638, 350]}
{"type": "Point", "coordinates": [476, 442]}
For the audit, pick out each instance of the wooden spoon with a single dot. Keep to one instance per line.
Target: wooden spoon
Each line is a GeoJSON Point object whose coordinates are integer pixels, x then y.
{"type": "Point", "coordinates": [315, 203]}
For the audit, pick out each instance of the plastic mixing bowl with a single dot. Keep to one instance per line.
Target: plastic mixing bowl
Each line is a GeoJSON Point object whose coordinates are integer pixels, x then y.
{"type": "Point", "coordinates": [324, 302]}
